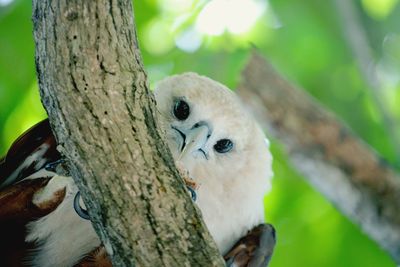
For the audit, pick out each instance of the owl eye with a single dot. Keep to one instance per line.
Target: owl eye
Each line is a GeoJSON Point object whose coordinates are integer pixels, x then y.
{"type": "Point", "coordinates": [181, 110]}
{"type": "Point", "coordinates": [223, 146]}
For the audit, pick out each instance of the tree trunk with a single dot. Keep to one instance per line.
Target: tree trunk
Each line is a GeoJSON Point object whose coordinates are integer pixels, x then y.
{"type": "Point", "coordinates": [340, 165]}
{"type": "Point", "coordinates": [95, 91]}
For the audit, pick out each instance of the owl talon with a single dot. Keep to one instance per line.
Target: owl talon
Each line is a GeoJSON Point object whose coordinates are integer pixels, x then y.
{"type": "Point", "coordinates": [82, 212]}
{"type": "Point", "coordinates": [193, 193]}
{"type": "Point", "coordinates": [52, 166]}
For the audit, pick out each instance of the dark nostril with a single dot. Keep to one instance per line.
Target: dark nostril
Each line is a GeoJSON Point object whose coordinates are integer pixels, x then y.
{"type": "Point", "coordinates": [200, 123]}
{"type": "Point", "coordinates": [203, 123]}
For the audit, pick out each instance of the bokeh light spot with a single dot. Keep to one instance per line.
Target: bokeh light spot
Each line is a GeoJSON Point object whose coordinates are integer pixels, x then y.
{"type": "Point", "coordinates": [189, 41]}
{"type": "Point", "coordinates": [157, 37]}
{"type": "Point", "coordinates": [176, 6]}
{"type": "Point", "coordinates": [5, 2]}
{"type": "Point", "coordinates": [379, 9]}
{"type": "Point", "coordinates": [235, 16]}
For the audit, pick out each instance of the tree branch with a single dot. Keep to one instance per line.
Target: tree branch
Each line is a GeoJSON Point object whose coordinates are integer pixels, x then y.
{"type": "Point", "coordinates": [357, 40]}
{"type": "Point", "coordinates": [95, 91]}
{"type": "Point", "coordinates": [327, 153]}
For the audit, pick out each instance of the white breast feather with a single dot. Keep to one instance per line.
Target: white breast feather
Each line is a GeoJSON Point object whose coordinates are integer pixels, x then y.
{"type": "Point", "coordinates": [62, 236]}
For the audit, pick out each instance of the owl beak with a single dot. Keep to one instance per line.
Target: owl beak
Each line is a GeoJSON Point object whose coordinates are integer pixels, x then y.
{"type": "Point", "coordinates": [195, 140]}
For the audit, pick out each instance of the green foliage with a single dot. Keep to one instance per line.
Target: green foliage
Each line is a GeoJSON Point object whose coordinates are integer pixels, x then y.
{"type": "Point", "coordinates": [311, 232]}
{"type": "Point", "coordinates": [303, 39]}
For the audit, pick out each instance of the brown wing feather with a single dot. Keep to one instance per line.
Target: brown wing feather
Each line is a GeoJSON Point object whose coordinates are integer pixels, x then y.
{"type": "Point", "coordinates": [253, 250]}
{"type": "Point", "coordinates": [97, 258]}
{"type": "Point", "coordinates": [28, 154]}
{"type": "Point", "coordinates": [16, 210]}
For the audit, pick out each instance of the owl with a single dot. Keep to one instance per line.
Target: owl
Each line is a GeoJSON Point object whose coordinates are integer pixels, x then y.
{"type": "Point", "coordinates": [218, 147]}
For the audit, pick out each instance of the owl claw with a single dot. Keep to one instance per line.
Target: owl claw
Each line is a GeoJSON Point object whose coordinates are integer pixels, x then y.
{"type": "Point", "coordinates": [52, 166]}
{"type": "Point", "coordinates": [193, 193]}
{"type": "Point", "coordinates": [82, 212]}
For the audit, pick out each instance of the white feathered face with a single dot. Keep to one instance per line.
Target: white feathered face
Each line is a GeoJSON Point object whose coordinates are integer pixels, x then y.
{"type": "Point", "coordinates": [207, 127]}
{"type": "Point", "coordinates": [222, 148]}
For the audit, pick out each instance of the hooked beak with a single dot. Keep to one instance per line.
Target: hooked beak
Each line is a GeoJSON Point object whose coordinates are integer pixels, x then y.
{"type": "Point", "coordinates": [194, 140]}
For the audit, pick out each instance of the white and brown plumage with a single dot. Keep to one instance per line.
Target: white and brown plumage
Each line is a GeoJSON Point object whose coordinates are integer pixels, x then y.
{"type": "Point", "coordinates": [211, 137]}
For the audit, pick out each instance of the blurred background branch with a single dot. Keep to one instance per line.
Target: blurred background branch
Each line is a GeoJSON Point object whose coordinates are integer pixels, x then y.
{"type": "Point", "coordinates": [339, 165]}
{"type": "Point", "coordinates": [358, 42]}
{"type": "Point", "coordinates": [304, 41]}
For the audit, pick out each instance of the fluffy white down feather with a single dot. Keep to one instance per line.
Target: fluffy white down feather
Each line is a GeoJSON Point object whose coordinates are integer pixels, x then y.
{"type": "Point", "coordinates": [63, 237]}
{"type": "Point", "coordinates": [232, 185]}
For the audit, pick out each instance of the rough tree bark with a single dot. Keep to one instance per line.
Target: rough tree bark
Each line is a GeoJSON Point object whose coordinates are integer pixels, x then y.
{"type": "Point", "coordinates": [94, 89]}
{"type": "Point", "coordinates": [327, 153]}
